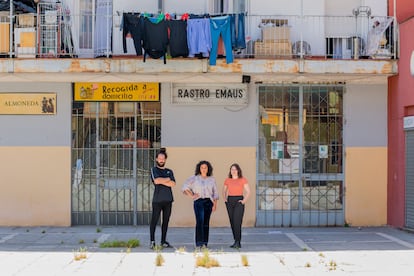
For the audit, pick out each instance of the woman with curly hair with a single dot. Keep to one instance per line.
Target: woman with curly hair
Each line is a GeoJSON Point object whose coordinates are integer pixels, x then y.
{"type": "Point", "coordinates": [202, 188]}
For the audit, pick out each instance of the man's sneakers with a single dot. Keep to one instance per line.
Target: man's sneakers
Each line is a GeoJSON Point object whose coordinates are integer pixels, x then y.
{"type": "Point", "coordinates": [166, 245]}
{"type": "Point", "coordinates": [162, 245]}
{"type": "Point", "coordinates": [236, 245]}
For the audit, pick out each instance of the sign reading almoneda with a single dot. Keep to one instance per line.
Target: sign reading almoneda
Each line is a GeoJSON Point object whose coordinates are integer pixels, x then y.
{"type": "Point", "coordinates": [215, 94]}
{"type": "Point", "coordinates": [117, 92]}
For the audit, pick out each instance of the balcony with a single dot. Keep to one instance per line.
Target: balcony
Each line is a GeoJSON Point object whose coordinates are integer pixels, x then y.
{"type": "Point", "coordinates": [57, 42]}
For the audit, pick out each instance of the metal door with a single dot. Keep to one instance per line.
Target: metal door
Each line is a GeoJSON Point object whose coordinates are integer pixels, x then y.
{"type": "Point", "coordinates": [409, 179]}
{"type": "Point", "coordinates": [114, 146]}
{"type": "Point", "coordinates": [300, 158]}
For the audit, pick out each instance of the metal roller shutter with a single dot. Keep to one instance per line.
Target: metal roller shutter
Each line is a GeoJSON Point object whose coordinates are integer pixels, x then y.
{"type": "Point", "coordinates": [409, 179]}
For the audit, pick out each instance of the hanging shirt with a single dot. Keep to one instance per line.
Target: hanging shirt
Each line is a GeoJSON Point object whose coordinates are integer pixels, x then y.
{"type": "Point", "coordinates": [155, 40]}
{"type": "Point", "coordinates": [178, 38]}
{"type": "Point", "coordinates": [199, 37]}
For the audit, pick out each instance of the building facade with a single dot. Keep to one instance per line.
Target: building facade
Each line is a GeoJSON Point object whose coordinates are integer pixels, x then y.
{"type": "Point", "coordinates": [400, 164]}
{"type": "Point", "coordinates": [302, 108]}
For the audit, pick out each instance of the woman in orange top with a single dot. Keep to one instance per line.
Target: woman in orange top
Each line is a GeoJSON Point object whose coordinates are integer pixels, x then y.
{"type": "Point", "coordinates": [236, 191]}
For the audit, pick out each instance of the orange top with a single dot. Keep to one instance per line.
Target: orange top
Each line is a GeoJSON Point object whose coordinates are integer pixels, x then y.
{"type": "Point", "coordinates": [235, 186]}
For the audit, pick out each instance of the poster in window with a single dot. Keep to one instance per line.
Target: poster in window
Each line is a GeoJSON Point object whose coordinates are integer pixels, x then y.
{"type": "Point", "coordinates": [277, 149]}
{"type": "Point", "coordinates": [323, 151]}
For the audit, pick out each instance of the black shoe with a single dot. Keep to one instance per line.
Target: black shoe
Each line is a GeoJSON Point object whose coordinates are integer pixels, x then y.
{"type": "Point", "coordinates": [166, 245]}
{"type": "Point", "coordinates": [236, 245]}
{"type": "Point", "coordinates": [152, 245]}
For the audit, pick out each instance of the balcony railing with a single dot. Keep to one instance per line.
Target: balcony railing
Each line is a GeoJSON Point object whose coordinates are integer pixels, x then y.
{"type": "Point", "coordinates": [56, 33]}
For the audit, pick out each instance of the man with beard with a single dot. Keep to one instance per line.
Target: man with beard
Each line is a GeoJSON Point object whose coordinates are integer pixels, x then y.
{"type": "Point", "coordinates": [163, 179]}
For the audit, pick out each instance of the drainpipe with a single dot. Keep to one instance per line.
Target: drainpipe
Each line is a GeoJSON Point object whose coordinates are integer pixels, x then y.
{"type": "Point", "coordinates": [394, 30]}
{"type": "Point", "coordinates": [301, 30]}
{"type": "Point", "coordinates": [11, 28]}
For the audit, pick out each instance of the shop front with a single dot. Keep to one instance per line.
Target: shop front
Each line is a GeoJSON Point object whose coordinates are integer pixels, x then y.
{"type": "Point", "coordinates": [313, 154]}
{"type": "Point", "coordinates": [116, 130]}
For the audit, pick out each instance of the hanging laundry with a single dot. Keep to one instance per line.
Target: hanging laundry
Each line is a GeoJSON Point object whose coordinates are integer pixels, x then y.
{"type": "Point", "coordinates": [178, 38]}
{"type": "Point", "coordinates": [220, 26]}
{"type": "Point", "coordinates": [199, 36]}
{"type": "Point", "coordinates": [133, 24]}
{"type": "Point", "coordinates": [155, 40]}
{"type": "Point", "coordinates": [238, 40]}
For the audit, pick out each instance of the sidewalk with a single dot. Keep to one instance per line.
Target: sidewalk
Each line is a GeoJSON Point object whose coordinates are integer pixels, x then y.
{"type": "Point", "coordinates": [268, 251]}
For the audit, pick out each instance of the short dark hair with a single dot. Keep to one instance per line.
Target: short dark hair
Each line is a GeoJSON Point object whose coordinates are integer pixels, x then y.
{"type": "Point", "coordinates": [239, 170]}
{"type": "Point", "coordinates": [162, 151]}
{"type": "Point", "coordinates": [209, 168]}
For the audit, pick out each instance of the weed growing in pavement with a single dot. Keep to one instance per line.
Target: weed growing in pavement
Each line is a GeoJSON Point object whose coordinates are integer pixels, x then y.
{"type": "Point", "coordinates": [130, 243]}
{"type": "Point", "coordinates": [282, 260]}
{"type": "Point", "coordinates": [181, 249]}
{"type": "Point", "coordinates": [244, 260]}
{"type": "Point", "coordinates": [205, 260]}
{"type": "Point", "coordinates": [98, 230]}
{"type": "Point", "coordinates": [158, 248]}
{"type": "Point", "coordinates": [81, 241]}
{"type": "Point", "coordinates": [80, 254]}
{"type": "Point", "coordinates": [332, 265]}
{"type": "Point", "coordinates": [308, 264]}
{"type": "Point", "coordinates": [159, 260]}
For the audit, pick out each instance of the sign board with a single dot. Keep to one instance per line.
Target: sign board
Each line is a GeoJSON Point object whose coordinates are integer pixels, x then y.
{"type": "Point", "coordinates": [117, 92]}
{"type": "Point", "coordinates": [210, 94]}
{"type": "Point", "coordinates": [28, 103]}
{"type": "Point", "coordinates": [408, 122]}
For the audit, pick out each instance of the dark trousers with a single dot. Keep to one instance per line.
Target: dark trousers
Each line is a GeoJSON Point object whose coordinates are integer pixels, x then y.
{"type": "Point", "coordinates": [157, 207]}
{"type": "Point", "coordinates": [235, 210]}
{"type": "Point", "coordinates": [238, 40]}
{"type": "Point", "coordinates": [133, 24]}
{"type": "Point", "coordinates": [202, 210]}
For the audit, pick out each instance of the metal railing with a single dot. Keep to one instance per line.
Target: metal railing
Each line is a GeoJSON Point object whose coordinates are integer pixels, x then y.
{"type": "Point", "coordinates": [268, 37]}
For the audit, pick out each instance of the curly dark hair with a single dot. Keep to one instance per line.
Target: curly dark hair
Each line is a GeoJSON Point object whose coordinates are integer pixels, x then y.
{"type": "Point", "coordinates": [239, 170]}
{"type": "Point", "coordinates": [209, 168]}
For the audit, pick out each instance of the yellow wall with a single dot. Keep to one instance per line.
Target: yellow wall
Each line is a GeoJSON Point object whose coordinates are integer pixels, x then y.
{"type": "Point", "coordinates": [366, 186]}
{"type": "Point", "coordinates": [40, 193]}
{"type": "Point", "coordinates": [183, 160]}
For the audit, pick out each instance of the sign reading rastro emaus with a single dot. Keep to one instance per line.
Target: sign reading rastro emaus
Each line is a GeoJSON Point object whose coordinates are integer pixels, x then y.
{"type": "Point", "coordinates": [210, 94]}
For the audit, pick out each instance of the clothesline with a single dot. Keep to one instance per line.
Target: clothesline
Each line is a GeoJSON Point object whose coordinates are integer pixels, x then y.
{"type": "Point", "coordinates": [190, 36]}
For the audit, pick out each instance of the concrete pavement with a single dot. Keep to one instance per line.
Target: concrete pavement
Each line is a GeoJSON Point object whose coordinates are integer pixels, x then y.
{"type": "Point", "coordinates": [268, 251]}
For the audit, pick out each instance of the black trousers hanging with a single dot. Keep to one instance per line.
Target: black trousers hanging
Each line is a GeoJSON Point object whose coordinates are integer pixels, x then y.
{"type": "Point", "coordinates": [133, 24]}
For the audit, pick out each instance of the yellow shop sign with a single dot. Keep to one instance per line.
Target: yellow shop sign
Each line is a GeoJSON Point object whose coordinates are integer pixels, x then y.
{"type": "Point", "coordinates": [28, 103]}
{"type": "Point", "coordinates": [117, 92]}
